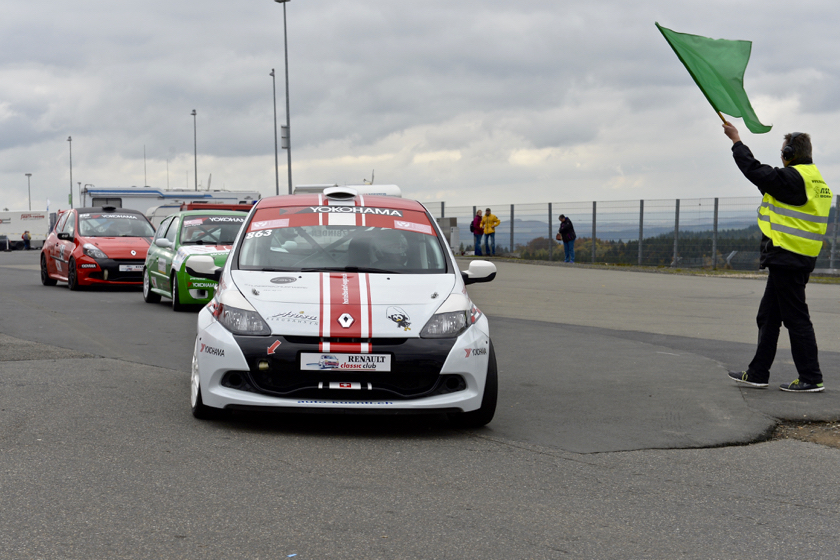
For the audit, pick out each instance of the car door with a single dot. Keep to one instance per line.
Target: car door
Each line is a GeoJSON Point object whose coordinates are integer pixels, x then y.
{"type": "Point", "coordinates": [156, 257]}
{"type": "Point", "coordinates": [52, 245]}
{"type": "Point", "coordinates": [152, 256]}
{"type": "Point", "coordinates": [166, 254]}
{"type": "Point", "coordinates": [64, 247]}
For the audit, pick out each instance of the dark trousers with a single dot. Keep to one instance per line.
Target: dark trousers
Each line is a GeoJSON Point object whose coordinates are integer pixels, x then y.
{"type": "Point", "coordinates": [784, 303]}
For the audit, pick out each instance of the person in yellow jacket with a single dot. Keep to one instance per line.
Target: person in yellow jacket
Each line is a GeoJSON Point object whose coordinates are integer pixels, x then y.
{"type": "Point", "coordinates": [793, 218]}
{"type": "Point", "coordinates": [488, 224]}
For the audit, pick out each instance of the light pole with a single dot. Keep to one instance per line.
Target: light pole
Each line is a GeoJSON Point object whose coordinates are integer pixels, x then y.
{"type": "Point", "coordinates": [29, 189]}
{"type": "Point", "coordinates": [288, 134]}
{"type": "Point", "coordinates": [70, 140]}
{"type": "Point", "coordinates": [195, 145]}
{"type": "Point", "coordinates": [276, 161]}
{"type": "Point", "coordinates": [80, 190]}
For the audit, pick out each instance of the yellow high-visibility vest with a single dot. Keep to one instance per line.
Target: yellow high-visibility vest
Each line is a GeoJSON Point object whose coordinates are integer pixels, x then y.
{"type": "Point", "coordinates": [798, 229]}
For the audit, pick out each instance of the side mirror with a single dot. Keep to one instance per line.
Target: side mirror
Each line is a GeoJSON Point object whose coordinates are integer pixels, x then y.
{"type": "Point", "coordinates": [163, 243]}
{"type": "Point", "coordinates": [479, 271]}
{"type": "Point", "coordinates": [64, 236]}
{"type": "Point", "coordinates": [203, 266]}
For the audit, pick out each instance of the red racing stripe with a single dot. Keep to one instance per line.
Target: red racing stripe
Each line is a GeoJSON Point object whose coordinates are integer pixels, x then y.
{"type": "Point", "coordinates": [345, 305]}
{"type": "Point", "coordinates": [345, 311]}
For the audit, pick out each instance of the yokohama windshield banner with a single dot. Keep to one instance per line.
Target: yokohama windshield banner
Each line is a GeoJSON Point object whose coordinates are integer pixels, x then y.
{"type": "Point", "coordinates": [270, 218]}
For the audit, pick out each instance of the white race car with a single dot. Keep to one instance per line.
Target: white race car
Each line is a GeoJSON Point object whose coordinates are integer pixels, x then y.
{"type": "Point", "coordinates": [342, 302]}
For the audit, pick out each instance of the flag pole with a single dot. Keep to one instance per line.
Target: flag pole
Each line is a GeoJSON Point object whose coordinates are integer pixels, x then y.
{"type": "Point", "coordinates": [721, 117]}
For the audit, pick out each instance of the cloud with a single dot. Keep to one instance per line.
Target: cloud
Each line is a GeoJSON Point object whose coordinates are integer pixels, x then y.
{"type": "Point", "coordinates": [459, 101]}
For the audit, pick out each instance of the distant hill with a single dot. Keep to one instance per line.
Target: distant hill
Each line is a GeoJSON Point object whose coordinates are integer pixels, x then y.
{"type": "Point", "coordinates": [527, 230]}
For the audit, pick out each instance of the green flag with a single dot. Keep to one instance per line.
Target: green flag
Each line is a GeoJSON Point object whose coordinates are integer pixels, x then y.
{"type": "Point", "coordinates": [718, 67]}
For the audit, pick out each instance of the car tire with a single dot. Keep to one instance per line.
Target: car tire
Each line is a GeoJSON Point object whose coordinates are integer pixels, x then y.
{"type": "Point", "coordinates": [485, 413]}
{"type": "Point", "coordinates": [176, 297]}
{"type": "Point", "coordinates": [199, 409]}
{"type": "Point", "coordinates": [45, 274]}
{"type": "Point", "coordinates": [73, 276]}
{"type": "Point", "coordinates": [148, 295]}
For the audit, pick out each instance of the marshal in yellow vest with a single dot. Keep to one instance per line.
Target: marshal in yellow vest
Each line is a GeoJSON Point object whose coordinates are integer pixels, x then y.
{"type": "Point", "coordinates": [798, 229]}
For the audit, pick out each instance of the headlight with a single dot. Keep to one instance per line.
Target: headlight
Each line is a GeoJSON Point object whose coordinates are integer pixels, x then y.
{"type": "Point", "coordinates": [446, 325]}
{"type": "Point", "coordinates": [93, 251]}
{"type": "Point", "coordinates": [240, 321]}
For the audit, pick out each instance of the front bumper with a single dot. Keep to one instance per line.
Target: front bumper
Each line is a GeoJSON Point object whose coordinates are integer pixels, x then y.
{"type": "Point", "coordinates": [195, 291]}
{"type": "Point", "coordinates": [427, 375]}
{"type": "Point", "coordinates": [109, 271]}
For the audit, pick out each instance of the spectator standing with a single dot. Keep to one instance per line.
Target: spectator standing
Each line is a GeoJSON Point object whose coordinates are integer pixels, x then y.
{"type": "Point", "coordinates": [477, 232]}
{"type": "Point", "coordinates": [567, 234]}
{"type": "Point", "coordinates": [27, 239]}
{"type": "Point", "coordinates": [793, 218]}
{"type": "Point", "coordinates": [488, 225]}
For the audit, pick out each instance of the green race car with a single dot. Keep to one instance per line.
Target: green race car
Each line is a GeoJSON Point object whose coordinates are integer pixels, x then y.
{"type": "Point", "coordinates": [179, 237]}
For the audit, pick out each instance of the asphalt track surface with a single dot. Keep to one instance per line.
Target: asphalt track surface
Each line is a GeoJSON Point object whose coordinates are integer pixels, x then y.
{"type": "Point", "coordinates": [617, 435]}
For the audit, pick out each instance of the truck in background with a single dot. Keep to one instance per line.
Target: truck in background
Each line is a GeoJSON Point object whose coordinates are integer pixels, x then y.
{"type": "Point", "coordinates": [13, 224]}
{"type": "Point", "coordinates": [157, 204]}
{"type": "Point", "coordinates": [145, 198]}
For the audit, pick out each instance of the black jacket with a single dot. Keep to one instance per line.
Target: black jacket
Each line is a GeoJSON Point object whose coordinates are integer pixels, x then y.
{"type": "Point", "coordinates": [785, 184]}
{"type": "Point", "coordinates": [567, 230]}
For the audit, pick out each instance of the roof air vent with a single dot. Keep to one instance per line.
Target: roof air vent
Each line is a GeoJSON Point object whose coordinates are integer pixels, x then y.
{"type": "Point", "coordinates": [340, 193]}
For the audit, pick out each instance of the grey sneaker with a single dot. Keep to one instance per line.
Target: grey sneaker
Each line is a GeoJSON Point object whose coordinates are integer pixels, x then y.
{"type": "Point", "coordinates": [797, 386]}
{"type": "Point", "coordinates": [747, 379]}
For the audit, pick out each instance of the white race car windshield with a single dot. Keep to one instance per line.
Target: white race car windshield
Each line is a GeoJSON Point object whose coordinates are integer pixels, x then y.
{"type": "Point", "coordinates": [310, 248]}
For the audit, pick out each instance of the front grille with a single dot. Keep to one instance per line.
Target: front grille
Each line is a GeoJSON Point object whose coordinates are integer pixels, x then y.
{"type": "Point", "coordinates": [415, 369]}
{"type": "Point", "coordinates": [315, 340]}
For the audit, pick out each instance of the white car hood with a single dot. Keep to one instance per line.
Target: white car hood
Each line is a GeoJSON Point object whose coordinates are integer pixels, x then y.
{"type": "Point", "coordinates": [347, 305]}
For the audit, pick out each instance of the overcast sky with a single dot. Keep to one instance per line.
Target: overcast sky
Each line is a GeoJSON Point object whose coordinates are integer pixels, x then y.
{"type": "Point", "coordinates": [473, 102]}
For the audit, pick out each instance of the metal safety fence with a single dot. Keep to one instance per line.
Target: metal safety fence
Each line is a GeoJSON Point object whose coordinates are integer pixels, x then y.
{"type": "Point", "coordinates": [679, 233]}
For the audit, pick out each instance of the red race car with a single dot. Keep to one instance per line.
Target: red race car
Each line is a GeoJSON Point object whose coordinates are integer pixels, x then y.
{"type": "Point", "coordinates": [91, 246]}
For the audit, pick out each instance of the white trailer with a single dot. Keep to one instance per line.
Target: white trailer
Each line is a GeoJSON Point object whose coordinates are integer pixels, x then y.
{"type": "Point", "coordinates": [145, 198]}
{"type": "Point", "coordinates": [13, 224]}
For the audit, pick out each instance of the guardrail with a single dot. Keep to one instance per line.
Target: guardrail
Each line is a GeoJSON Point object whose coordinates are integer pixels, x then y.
{"type": "Point", "coordinates": [697, 232]}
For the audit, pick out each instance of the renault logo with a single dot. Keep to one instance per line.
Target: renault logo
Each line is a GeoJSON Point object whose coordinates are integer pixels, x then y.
{"type": "Point", "coordinates": [345, 320]}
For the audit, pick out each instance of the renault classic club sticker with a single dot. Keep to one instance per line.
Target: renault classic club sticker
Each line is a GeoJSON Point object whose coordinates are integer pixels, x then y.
{"type": "Point", "coordinates": [345, 362]}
